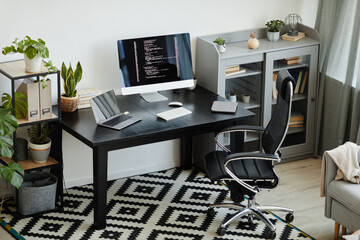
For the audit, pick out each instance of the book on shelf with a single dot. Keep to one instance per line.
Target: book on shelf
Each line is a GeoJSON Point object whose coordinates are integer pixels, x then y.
{"type": "Point", "coordinates": [292, 60]}
{"type": "Point", "coordinates": [233, 70]}
{"type": "Point", "coordinates": [296, 119]}
{"type": "Point", "coordinates": [300, 76]}
{"type": "Point", "coordinates": [293, 38]}
{"type": "Point", "coordinates": [85, 95]}
{"type": "Point", "coordinates": [274, 90]}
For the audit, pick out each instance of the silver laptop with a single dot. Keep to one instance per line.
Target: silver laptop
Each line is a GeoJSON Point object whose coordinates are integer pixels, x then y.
{"type": "Point", "coordinates": [107, 113]}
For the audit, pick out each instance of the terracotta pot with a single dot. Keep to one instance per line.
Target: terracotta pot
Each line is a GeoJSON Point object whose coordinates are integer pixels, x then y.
{"type": "Point", "coordinates": [69, 104]}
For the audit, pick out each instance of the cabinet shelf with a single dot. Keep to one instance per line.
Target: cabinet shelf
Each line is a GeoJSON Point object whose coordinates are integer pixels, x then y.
{"type": "Point", "coordinates": [15, 70]}
{"type": "Point", "coordinates": [257, 80]}
{"type": "Point", "coordinates": [29, 164]}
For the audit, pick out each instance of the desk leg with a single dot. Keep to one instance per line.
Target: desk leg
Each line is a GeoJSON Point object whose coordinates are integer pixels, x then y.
{"type": "Point", "coordinates": [186, 152]}
{"type": "Point", "coordinates": [100, 164]}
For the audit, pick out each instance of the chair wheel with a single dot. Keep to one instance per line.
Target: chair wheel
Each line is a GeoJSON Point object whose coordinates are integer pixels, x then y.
{"type": "Point", "coordinates": [210, 212]}
{"type": "Point", "coordinates": [250, 219]}
{"type": "Point", "coordinates": [272, 235]}
{"type": "Point", "coordinates": [289, 217]}
{"type": "Point", "coordinates": [221, 231]}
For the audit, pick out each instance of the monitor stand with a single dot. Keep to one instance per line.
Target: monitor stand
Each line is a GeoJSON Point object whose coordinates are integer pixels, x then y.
{"type": "Point", "coordinates": [153, 97]}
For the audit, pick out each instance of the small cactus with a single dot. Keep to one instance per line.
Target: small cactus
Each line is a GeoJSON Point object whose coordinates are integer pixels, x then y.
{"type": "Point", "coordinates": [71, 79]}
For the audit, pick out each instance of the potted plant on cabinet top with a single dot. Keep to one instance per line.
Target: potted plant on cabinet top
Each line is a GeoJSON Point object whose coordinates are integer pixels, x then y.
{"type": "Point", "coordinates": [273, 29]}
{"type": "Point", "coordinates": [34, 51]}
{"type": "Point", "coordinates": [39, 142]}
{"type": "Point", "coordinates": [220, 44]}
{"type": "Point", "coordinates": [70, 98]}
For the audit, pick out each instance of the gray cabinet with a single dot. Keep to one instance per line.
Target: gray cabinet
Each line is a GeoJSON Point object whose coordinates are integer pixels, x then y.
{"type": "Point", "coordinates": [256, 78]}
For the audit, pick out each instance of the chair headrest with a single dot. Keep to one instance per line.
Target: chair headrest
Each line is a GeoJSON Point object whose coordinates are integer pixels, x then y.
{"type": "Point", "coordinates": [282, 80]}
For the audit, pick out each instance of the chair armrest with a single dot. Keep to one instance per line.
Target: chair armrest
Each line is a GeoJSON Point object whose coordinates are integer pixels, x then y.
{"type": "Point", "coordinates": [330, 170]}
{"type": "Point", "coordinates": [252, 155]}
{"type": "Point", "coordinates": [237, 128]}
{"type": "Point", "coordinates": [241, 128]}
{"type": "Point", "coordinates": [239, 156]}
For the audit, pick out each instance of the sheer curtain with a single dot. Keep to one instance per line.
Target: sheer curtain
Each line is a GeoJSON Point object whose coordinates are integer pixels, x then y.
{"type": "Point", "coordinates": [338, 23]}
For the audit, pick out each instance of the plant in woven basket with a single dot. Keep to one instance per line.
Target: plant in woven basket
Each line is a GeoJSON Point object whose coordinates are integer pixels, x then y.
{"type": "Point", "coordinates": [70, 99]}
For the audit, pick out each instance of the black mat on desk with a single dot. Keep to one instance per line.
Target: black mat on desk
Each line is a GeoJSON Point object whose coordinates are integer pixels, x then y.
{"type": "Point", "coordinates": [169, 204]}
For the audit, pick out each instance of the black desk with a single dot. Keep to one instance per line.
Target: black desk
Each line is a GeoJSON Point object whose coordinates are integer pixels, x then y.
{"type": "Point", "coordinates": [81, 124]}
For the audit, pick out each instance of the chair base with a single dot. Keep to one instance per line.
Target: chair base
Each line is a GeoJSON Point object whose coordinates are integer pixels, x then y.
{"type": "Point", "coordinates": [250, 210]}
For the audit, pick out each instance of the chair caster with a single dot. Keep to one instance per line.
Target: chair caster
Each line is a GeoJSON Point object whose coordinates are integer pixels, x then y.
{"type": "Point", "coordinates": [210, 212]}
{"type": "Point", "coordinates": [221, 231]}
{"type": "Point", "coordinates": [289, 217]}
{"type": "Point", "coordinates": [272, 235]}
{"type": "Point", "coordinates": [250, 219]}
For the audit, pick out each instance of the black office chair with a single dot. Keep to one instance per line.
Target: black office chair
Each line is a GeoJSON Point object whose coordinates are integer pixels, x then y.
{"type": "Point", "coordinates": [246, 173]}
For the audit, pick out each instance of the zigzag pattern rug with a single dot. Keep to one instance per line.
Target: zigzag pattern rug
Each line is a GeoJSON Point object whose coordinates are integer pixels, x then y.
{"type": "Point", "coordinates": [167, 205]}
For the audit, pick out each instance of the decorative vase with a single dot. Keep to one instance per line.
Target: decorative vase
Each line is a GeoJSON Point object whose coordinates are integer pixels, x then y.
{"type": "Point", "coordinates": [273, 36]}
{"type": "Point", "coordinates": [69, 104]}
{"type": "Point", "coordinates": [33, 65]}
{"type": "Point", "coordinates": [40, 152]}
{"type": "Point", "coordinates": [221, 48]}
{"type": "Point", "coordinates": [253, 43]}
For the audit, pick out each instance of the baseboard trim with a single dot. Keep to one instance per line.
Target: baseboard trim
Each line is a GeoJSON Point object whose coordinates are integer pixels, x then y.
{"type": "Point", "coordinates": [123, 173]}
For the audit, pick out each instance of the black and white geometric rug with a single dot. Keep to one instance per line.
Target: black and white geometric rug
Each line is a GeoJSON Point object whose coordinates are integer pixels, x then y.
{"type": "Point", "coordinates": [166, 205]}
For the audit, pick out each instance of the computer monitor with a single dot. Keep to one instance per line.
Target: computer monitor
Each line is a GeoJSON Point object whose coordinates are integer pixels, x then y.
{"type": "Point", "coordinates": [157, 63]}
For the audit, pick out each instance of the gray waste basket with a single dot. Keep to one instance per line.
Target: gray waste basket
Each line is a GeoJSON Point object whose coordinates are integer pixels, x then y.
{"type": "Point", "coordinates": [37, 193]}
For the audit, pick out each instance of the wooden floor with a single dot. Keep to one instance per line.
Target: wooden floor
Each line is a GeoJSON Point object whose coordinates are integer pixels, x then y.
{"type": "Point", "coordinates": [299, 189]}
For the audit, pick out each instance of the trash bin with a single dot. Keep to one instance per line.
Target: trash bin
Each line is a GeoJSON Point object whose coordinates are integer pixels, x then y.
{"type": "Point", "coordinates": [37, 193]}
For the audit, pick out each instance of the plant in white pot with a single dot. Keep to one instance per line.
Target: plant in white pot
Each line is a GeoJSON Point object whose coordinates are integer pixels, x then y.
{"type": "Point", "coordinates": [70, 98]}
{"type": "Point", "coordinates": [34, 51]}
{"type": "Point", "coordinates": [273, 29]}
{"type": "Point", "coordinates": [220, 44]}
{"type": "Point", "coordinates": [39, 142]}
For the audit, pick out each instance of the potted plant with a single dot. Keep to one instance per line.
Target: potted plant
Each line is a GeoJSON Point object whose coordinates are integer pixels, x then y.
{"type": "Point", "coordinates": [34, 51]}
{"type": "Point", "coordinates": [70, 98]}
{"type": "Point", "coordinates": [273, 29]}
{"type": "Point", "coordinates": [232, 96]}
{"type": "Point", "coordinates": [39, 142]}
{"type": "Point", "coordinates": [220, 44]}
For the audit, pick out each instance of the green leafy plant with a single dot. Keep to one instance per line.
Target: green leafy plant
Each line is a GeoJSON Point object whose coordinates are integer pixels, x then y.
{"type": "Point", "coordinates": [219, 41]}
{"type": "Point", "coordinates": [30, 48]}
{"type": "Point", "coordinates": [21, 105]}
{"type": "Point", "coordinates": [8, 124]}
{"type": "Point", "coordinates": [71, 78]}
{"type": "Point", "coordinates": [39, 134]}
{"type": "Point", "coordinates": [274, 25]}
{"type": "Point", "coordinates": [12, 173]}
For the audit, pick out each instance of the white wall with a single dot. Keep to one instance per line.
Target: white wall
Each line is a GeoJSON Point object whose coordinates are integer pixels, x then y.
{"type": "Point", "coordinates": [87, 31]}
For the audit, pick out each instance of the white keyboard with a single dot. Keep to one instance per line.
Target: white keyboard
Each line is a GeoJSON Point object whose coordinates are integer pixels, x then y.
{"type": "Point", "coordinates": [173, 113]}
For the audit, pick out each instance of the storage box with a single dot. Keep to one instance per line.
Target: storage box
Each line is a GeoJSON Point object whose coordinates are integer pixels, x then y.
{"type": "Point", "coordinates": [37, 193]}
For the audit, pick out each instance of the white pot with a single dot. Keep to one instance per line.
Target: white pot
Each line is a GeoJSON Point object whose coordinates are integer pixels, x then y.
{"type": "Point", "coordinates": [33, 65]}
{"type": "Point", "coordinates": [245, 98]}
{"type": "Point", "coordinates": [221, 48]}
{"type": "Point", "coordinates": [232, 98]}
{"type": "Point", "coordinates": [40, 152]}
{"type": "Point", "coordinates": [273, 36]}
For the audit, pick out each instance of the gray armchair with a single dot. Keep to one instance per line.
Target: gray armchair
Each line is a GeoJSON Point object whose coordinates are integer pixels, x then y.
{"type": "Point", "coordinates": [342, 200]}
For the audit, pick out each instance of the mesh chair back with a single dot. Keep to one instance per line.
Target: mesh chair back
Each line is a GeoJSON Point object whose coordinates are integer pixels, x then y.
{"type": "Point", "coordinates": [276, 129]}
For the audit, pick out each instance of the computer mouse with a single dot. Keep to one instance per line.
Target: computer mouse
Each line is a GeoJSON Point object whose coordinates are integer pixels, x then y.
{"type": "Point", "coordinates": [175, 104]}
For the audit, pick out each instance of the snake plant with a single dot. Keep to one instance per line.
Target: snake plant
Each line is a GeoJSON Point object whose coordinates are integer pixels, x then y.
{"type": "Point", "coordinates": [71, 78]}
